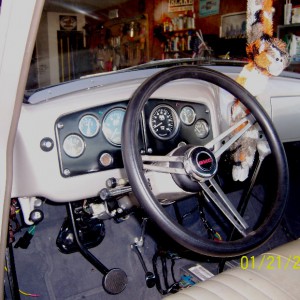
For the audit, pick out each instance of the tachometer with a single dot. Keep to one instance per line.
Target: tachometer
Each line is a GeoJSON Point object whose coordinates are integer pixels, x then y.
{"type": "Point", "coordinates": [73, 145]}
{"type": "Point", "coordinates": [112, 125]}
{"type": "Point", "coordinates": [89, 125]}
{"type": "Point", "coordinates": [164, 122]}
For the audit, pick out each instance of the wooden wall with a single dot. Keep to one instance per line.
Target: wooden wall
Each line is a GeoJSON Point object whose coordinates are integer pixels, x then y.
{"type": "Point", "coordinates": [157, 9]}
{"type": "Point", "coordinates": [211, 24]}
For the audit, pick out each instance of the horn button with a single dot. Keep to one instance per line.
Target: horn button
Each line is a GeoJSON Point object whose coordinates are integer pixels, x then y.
{"type": "Point", "coordinates": [200, 163]}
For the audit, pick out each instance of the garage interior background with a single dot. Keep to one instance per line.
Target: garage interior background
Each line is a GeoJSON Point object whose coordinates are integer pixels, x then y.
{"type": "Point", "coordinates": [138, 31]}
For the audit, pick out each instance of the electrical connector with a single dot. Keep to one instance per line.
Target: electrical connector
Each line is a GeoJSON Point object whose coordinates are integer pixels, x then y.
{"type": "Point", "coordinates": [24, 241]}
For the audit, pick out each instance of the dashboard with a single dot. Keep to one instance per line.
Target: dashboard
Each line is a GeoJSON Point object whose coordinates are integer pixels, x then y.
{"type": "Point", "coordinates": [68, 141]}
{"type": "Point", "coordinates": [90, 140]}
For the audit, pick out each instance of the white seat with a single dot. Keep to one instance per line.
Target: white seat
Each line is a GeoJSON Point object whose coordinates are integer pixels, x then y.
{"type": "Point", "coordinates": [275, 275]}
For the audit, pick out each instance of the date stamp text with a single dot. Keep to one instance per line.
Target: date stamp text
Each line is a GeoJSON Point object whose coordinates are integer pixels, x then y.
{"type": "Point", "coordinates": [270, 262]}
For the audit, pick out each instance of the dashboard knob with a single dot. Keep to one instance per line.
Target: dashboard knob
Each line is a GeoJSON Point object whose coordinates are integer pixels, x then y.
{"type": "Point", "coordinates": [106, 159]}
{"type": "Point", "coordinates": [46, 144]}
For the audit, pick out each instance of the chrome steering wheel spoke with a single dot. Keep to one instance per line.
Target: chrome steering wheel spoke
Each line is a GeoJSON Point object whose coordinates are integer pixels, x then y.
{"type": "Point", "coordinates": [225, 206]}
{"type": "Point", "coordinates": [233, 133]}
{"type": "Point", "coordinates": [218, 197]}
{"type": "Point", "coordinates": [160, 164]}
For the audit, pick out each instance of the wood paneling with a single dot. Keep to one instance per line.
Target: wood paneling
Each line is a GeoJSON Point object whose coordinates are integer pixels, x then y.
{"type": "Point", "coordinates": [211, 24]}
{"type": "Point", "coordinates": [157, 9]}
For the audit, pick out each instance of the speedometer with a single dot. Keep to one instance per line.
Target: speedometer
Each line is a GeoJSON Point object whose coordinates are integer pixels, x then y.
{"type": "Point", "coordinates": [112, 125]}
{"type": "Point", "coordinates": [164, 122]}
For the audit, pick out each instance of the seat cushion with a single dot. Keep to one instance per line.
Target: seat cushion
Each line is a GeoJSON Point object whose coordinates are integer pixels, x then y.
{"type": "Point", "coordinates": [272, 275]}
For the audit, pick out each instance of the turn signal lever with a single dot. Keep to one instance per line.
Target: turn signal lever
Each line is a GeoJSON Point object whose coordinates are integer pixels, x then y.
{"type": "Point", "coordinates": [115, 187]}
{"type": "Point", "coordinates": [107, 194]}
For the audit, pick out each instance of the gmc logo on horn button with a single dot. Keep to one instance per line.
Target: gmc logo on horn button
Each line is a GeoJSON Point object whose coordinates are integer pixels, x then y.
{"type": "Point", "coordinates": [205, 161]}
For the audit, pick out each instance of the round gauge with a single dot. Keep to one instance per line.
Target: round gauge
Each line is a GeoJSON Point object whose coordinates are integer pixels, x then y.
{"type": "Point", "coordinates": [89, 125]}
{"type": "Point", "coordinates": [73, 145]}
{"type": "Point", "coordinates": [201, 129]}
{"type": "Point", "coordinates": [112, 125]}
{"type": "Point", "coordinates": [164, 122]}
{"type": "Point", "coordinates": [187, 115]}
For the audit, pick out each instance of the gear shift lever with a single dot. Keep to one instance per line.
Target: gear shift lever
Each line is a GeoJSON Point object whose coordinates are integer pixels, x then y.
{"type": "Point", "coordinates": [149, 276]}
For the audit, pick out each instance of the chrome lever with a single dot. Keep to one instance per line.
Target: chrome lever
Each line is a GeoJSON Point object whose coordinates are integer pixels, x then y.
{"type": "Point", "coordinates": [107, 194]}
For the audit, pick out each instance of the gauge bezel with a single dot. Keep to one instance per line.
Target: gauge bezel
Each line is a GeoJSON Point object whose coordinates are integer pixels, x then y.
{"type": "Point", "coordinates": [82, 147]}
{"type": "Point", "coordinates": [107, 137]}
{"type": "Point", "coordinates": [207, 128]}
{"type": "Point", "coordinates": [80, 124]}
{"type": "Point", "coordinates": [193, 115]}
{"type": "Point", "coordinates": [175, 119]}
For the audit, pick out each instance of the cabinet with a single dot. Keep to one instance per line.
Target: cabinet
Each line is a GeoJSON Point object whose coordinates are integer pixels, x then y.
{"type": "Point", "coordinates": [285, 32]}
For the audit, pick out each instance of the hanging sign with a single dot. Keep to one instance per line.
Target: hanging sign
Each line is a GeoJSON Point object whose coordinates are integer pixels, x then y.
{"type": "Point", "coordinates": [209, 7]}
{"type": "Point", "coordinates": [68, 22]}
{"type": "Point", "coordinates": [180, 5]}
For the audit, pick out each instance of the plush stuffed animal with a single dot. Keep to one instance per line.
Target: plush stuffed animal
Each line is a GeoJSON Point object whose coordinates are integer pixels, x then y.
{"type": "Point", "coordinates": [267, 56]}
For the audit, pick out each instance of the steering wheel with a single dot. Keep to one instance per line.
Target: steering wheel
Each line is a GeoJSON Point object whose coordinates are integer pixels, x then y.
{"type": "Point", "coordinates": [198, 165]}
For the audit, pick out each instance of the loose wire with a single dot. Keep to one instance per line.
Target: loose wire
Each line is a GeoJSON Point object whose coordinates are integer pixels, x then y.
{"type": "Point", "coordinates": [24, 293]}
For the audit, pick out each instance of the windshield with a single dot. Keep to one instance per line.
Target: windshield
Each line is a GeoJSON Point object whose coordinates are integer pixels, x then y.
{"type": "Point", "coordinates": [78, 38]}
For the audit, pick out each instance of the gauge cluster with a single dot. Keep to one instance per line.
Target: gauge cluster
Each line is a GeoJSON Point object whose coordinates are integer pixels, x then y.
{"type": "Point", "coordinates": [90, 140]}
{"type": "Point", "coordinates": [171, 123]}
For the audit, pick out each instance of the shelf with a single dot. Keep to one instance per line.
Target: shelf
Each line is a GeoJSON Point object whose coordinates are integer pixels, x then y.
{"type": "Point", "coordinates": [179, 42]}
{"type": "Point", "coordinates": [289, 25]}
{"type": "Point", "coordinates": [285, 29]}
{"type": "Point", "coordinates": [179, 31]}
{"type": "Point", "coordinates": [294, 67]}
{"type": "Point", "coordinates": [180, 51]}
